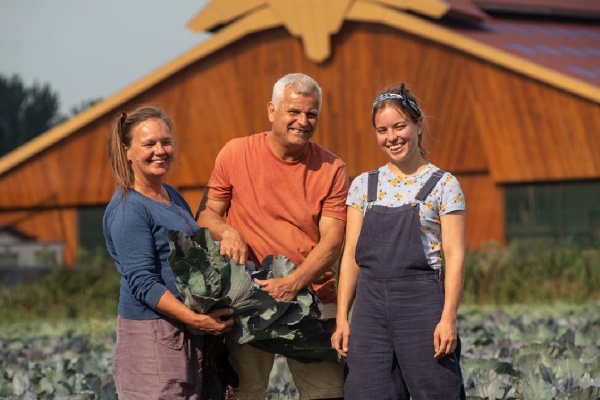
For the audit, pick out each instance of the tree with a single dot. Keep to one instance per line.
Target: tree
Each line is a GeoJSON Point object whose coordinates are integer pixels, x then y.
{"type": "Point", "coordinates": [25, 112]}
{"type": "Point", "coordinates": [84, 105]}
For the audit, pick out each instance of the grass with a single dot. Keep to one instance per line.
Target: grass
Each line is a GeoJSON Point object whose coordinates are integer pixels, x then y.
{"type": "Point", "coordinates": [522, 272]}
{"type": "Point", "coordinates": [88, 290]}
{"type": "Point", "coordinates": [532, 272]}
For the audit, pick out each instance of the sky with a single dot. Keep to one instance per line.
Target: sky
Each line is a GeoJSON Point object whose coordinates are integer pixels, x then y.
{"type": "Point", "coordinates": [90, 49]}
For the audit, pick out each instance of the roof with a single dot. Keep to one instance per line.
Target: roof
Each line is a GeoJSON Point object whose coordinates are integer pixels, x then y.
{"type": "Point", "coordinates": [588, 9]}
{"type": "Point", "coordinates": [565, 56]}
{"type": "Point", "coordinates": [14, 232]}
{"type": "Point", "coordinates": [568, 48]}
{"type": "Point", "coordinates": [465, 10]}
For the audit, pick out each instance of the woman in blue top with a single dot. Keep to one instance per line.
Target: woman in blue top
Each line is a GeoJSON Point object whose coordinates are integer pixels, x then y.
{"type": "Point", "coordinates": [155, 356]}
{"type": "Point", "coordinates": [402, 343]}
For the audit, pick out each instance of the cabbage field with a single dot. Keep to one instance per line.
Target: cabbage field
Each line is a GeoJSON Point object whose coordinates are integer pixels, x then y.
{"type": "Point", "coordinates": [511, 352]}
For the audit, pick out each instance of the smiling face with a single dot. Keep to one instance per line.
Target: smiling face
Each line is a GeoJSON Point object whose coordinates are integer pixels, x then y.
{"type": "Point", "coordinates": [151, 151]}
{"type": "Point", "coordinates": [294, 122]}
{"type": "Point", "coordinates": [398, 137]}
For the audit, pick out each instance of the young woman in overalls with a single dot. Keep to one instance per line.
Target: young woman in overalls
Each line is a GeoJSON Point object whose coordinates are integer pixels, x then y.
{"type": "Point", "coordinates": [402, 343]}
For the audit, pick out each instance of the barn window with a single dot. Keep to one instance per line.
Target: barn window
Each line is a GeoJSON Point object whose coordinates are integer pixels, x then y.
{"type": "Point", "coordinates": [45, 258]}
{"type": "Point", "coordinates": [91, 237]}
{"type": "Point", "coordinates": [8, 259]}
{"type": "Point", "coordinates": [569, 210]}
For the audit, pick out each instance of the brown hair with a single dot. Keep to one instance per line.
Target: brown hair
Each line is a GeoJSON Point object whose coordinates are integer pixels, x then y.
{"type": "Point", "coordinates": [120, 135]}
{"type": "Point", "coordinates": [406, 103]}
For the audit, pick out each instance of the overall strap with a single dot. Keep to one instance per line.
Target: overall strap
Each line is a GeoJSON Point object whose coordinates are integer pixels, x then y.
{"type": "Point", "coordinates": [372, 186]}
{"type": "Point", "coordinates": [429, 185]}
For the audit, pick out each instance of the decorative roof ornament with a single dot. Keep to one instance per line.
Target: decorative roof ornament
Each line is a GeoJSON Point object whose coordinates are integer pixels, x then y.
{"type": "Point", "coordinates": [313, 21]}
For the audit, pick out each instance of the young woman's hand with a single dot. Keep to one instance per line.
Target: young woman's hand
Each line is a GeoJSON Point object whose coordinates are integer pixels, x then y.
{"type": "Point", "coordinates": [339, 339]}
{"type": "Point", "coordinates": [444, 338]}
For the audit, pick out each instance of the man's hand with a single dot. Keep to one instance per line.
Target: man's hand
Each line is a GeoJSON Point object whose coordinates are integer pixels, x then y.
{"type": "Point", "coordinates": [282, 289]}
{"type": "Point", "coordinates": [234, 246]}
{"type": "Point", "coordinates": [210, 215]}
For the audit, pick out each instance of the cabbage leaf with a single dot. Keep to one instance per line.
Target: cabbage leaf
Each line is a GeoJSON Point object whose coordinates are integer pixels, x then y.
{"type": "Point", "coordinates": [206, 282]}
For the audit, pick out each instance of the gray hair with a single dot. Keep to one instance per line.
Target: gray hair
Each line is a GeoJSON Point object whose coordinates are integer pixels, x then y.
{"type": "Point", "coordinates": [301, 83]}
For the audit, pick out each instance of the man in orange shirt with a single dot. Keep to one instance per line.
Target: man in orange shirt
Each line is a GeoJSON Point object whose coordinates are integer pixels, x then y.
{"type": "Point", "coordinates": [286, 195]}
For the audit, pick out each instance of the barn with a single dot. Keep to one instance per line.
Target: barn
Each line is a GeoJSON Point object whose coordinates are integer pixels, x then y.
{"type": "Point", "coordinates": [511, 88]}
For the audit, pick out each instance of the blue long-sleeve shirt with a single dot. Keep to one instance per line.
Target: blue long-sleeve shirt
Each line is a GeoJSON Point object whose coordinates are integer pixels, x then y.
{"type": "Point", "coordinates": [136, 237]}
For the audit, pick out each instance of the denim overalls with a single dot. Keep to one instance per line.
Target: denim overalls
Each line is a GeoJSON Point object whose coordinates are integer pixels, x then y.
{"type": "Point", "coordinates": [399, 302]}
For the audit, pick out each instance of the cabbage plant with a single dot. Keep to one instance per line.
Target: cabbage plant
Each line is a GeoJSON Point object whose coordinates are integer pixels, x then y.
{"type": "Point", "coordinates": [206, 282]}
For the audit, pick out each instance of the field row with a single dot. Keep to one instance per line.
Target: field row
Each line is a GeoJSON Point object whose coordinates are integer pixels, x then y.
{"type": "Point", "coordinates": [517, 352]}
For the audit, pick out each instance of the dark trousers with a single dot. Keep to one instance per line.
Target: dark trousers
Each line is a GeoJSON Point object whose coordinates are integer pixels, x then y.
{"type": "Point", "coordinates": [391, 342]}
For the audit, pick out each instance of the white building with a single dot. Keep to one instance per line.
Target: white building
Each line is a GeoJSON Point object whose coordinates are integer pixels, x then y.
{"type": "Point", "coordinates": [19, 250]}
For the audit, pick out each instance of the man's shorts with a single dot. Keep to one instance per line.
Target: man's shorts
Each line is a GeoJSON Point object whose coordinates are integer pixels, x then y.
{"type": "Point", "coordinates": [316, 380]}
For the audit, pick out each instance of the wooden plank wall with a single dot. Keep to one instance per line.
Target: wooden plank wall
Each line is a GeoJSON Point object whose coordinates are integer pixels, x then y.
{"type": "Point", "coordinates": [535, 133]}
{"type": "Point", "coordinates": [47, 225]}
{"type": "Point", "coordinates": [485, 209]}
{"type": "Point", "coordinates": [487, 125]}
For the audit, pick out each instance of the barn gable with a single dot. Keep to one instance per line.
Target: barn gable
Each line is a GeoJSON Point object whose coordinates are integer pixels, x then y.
{"type": "Point", "coordinates": [495, 118]}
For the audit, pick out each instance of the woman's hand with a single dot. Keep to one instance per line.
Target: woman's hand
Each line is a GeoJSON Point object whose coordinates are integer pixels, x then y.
{"type": "Point", "coordinates": [216, 322]}
{"type": "Point", "coordinates": [339, 339]}
{"type": "Point", "coordinates": [229, 392]}
{"type": "Point", "coordinates": [444, 338]}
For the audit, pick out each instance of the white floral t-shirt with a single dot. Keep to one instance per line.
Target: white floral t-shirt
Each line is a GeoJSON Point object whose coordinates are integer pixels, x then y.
{"type": "Point", "coordinates": [393, 191]}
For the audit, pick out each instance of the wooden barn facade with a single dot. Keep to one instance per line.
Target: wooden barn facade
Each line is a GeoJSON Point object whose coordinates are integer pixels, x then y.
{"type": "Point", "coordinates": [522, 136]}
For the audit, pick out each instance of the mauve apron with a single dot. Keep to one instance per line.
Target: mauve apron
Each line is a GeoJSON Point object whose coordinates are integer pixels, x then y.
{"type": "Point", "coordinates": [399, 302]}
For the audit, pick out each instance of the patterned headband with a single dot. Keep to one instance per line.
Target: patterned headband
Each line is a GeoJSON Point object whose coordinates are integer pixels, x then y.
{"type": "Point", "coordinates": [405, 102]}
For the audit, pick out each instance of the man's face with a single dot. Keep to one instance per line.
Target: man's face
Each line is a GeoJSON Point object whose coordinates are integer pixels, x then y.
{"type": "Point", "coordinates": [294, 120]}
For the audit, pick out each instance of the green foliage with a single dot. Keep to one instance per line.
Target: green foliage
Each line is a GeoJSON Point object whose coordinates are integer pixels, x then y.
{"type": "Point", "coordinates": [514, 352]}
{"type": "Point", "coordinates": [84, 105]}
{"type": "Point", "coordinates": [25, 112]}
{"type": "Point", "coordinates": [57, 360]}
{"type": "Point", "coordinates": [28, 111]}
{"type": "Point", "coordinates": [206, 281]}
{"type": "Point", "coordinates": [531, 271]}
{"type": "Point", "coordinates": [281, 383]}
{"type": "Point", "coordinates": [88, 290]}
{"type": "Point", "coordinates": [527, 352]}
{"type": "Point", "coordinates": [517, 273]}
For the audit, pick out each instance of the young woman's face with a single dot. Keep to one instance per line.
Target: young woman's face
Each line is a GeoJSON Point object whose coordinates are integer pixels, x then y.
{"type": "Point", "coordinates": [151, 150]}
{"type": "Point", "coordinates": [397, 135]}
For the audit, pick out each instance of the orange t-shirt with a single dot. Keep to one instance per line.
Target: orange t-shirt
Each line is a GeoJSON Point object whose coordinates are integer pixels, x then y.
{"type": "Point", "coordinates": [276, 205]}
